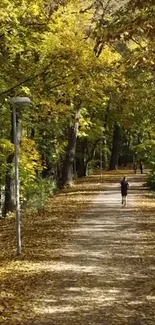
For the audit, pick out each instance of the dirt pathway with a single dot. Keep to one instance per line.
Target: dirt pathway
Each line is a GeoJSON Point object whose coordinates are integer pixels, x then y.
{"type": "Point", "coordinates": [99, 270]}
{"type": "Point", "coordinates": [105, 274]}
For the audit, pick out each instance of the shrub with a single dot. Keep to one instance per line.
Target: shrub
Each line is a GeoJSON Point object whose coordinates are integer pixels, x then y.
{"type": "Point", "coordinates": [151, 179]}
{"type": "Point", "coordinates": [38, 193]}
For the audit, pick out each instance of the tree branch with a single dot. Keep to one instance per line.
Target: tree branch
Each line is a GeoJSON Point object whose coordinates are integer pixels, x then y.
{"type": "Point", "coordinates": [24, 81]}
{"type": "Point", "coordinates": [82, 11]}
{"type": "Point", "coordinates": [135, 41]}
{"type": "Point", "coordinates": [28, 79]}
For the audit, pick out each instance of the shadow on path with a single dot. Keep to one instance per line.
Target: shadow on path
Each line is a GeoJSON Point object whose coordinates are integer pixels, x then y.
{"type": "Point", "coordinates": [102, 272]}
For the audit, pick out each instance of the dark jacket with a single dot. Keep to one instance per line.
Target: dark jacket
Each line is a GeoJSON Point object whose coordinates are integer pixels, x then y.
{"type": "Point", "coordinates": [124, 188]}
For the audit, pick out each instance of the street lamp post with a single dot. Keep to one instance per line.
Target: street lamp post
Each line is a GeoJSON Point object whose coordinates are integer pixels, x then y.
{"type": "Point", "coordinates": [17, 101]}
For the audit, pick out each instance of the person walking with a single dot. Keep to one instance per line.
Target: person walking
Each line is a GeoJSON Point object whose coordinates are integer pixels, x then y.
{"type": "Point", "coordinates": [141, 167]}
{"type": "Point", "coordinates": [135, 167]}
{"type": "Point", "coordinates": [124, 190]}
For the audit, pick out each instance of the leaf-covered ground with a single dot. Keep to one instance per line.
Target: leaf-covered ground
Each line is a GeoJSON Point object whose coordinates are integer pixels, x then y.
{"type": "Point", "coordinates": [86, 260]}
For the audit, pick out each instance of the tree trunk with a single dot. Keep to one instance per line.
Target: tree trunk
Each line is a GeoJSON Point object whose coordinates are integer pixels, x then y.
{"type": "Point", "coordinates": [105, 155]}
{"type": "Point", "coordinates": [115, 148]}
{"type": "Point", "coordinates": [67, 169]}
{"type": "Point", "coordinates": [9, 203]}
{"type": "Point", "coordinates": [81, 166]}
{"type": "Point", "coordinates": [85, 155]}
{"type": "Point", "coordinates": [9, 200]}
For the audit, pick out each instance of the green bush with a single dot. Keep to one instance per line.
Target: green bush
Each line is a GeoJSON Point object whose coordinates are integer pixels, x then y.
{"type": "Point", "coordinates": [38, 193]}
{"type": "Point", "coordinates": [151, 179]}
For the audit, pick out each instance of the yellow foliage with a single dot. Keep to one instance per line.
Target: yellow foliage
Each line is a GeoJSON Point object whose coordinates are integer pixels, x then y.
{"type": "Point", "coordinates": [30, 158]}
{"type": "Point", "coordinates": [6, 147]}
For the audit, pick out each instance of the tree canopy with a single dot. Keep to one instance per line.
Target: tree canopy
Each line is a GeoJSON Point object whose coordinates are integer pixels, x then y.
{"type": "Point", "coordinates": [88, 68]}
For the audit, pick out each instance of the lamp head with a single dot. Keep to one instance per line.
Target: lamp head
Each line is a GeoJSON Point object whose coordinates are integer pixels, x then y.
{"type": "Point", "coordinates": [21, 100]}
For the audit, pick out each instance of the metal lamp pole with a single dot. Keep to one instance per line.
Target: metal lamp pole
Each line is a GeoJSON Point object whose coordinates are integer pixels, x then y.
{"type": "Point", "coordinates": [16, 144]}
{"type": "Point", "coordinates": [17, 101]}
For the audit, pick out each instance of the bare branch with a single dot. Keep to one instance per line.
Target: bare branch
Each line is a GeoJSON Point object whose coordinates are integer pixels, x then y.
{"type": "Point", "coordinates": [25, 81]}
{"type": "Point", "coordinates": [135, 41]}
{"type": "Point", "coordinates": [88, 8]}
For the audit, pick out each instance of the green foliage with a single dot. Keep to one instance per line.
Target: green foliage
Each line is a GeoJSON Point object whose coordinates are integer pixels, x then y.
{"type": "Point", "coordinates": [46, 53]}
{"type": "Point", "coordinates": [151, 179]}
{"type": "Point", "coordinates": [6, 148]}
{"type": "Point", "coordinates": [145, 151]}
{"type": "Point", "coordinates": [37, 193]}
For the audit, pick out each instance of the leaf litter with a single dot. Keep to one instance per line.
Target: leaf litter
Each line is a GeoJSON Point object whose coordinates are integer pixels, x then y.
{"type": "Point", "coordinates": [80, 265]}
